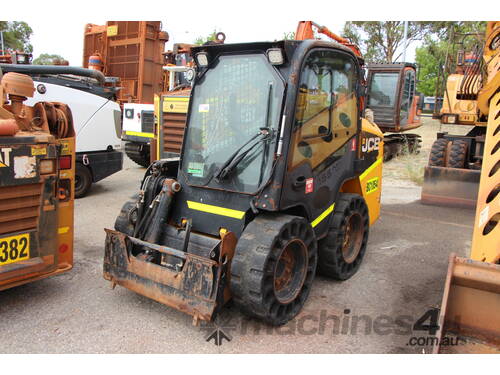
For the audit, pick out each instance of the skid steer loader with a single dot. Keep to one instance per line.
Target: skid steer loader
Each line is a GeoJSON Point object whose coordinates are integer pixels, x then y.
{"type": "Point", "coordinates": [278, 175]}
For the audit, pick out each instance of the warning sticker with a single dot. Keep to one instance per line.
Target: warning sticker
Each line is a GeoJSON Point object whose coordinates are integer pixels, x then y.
{"type": "Point", "coordinates": [204, 108]}
{"type": "Point", "coordinates": [38, 151]}
{"type": "Point", "coordinates": [196, 169]}
{"type": "Point", "coordinates": [309, 185]}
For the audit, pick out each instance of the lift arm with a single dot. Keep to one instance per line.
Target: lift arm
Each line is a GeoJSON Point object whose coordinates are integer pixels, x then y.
{"type": "Point", "coordinates": [305, 31]}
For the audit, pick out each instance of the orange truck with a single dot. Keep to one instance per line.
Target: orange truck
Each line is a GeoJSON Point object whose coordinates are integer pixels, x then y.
{"type": "Point", "coordinates": [37, 169]}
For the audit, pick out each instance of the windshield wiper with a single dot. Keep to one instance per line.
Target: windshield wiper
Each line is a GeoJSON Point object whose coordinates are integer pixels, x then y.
{"type": "Point", "coordinates": [239, 155]}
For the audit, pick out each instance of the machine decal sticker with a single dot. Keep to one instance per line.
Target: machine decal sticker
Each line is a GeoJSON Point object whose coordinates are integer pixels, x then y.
{"type": "Point", "coordinates": [309, 185]}
{"type": "Point", "coordinates": [196, 169]}
{"type": "Point", "coordinates": [38, 151]}
{"type": "Point", "coordinates": [370, 144]}
{"type": "Point", "coordinates": [372, 185]}
{"type": "Point", "coordinates": [5, 157]}
{"type": "Point", "coordinates": [24, 166]}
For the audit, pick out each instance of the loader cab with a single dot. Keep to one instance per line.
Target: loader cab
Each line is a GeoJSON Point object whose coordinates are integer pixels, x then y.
{"type": "Point", "coordinates": [391, 95]}
{"type": "Point", "coordinates": [276, 125]}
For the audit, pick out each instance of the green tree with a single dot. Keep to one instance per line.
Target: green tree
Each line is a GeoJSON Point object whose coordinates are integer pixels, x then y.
{"type": "Point", "coordinates": [48, 59]}
{"type": "Point", "coordinates": [202, 40]}
{"type": "Point", "coordinates": [379, 41]}
{"type": "Point", "coordinates": [16, 36]}
{"type": "Point", "coordinates": [437, 55]}
{"type": "Point", "coordinates": [289, 35]}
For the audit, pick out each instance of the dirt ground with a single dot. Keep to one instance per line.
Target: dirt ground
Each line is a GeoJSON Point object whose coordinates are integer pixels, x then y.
{"type": "Point", "coordinates": [408, 170]}
{"type": "Point", "coordinates": [401, 278]}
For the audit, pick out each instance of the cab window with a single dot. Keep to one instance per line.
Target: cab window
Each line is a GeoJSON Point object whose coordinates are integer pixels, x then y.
{"type": "Point", "coordinates": [326, 111]}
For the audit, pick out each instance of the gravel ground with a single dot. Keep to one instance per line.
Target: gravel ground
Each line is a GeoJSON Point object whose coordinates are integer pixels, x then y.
{"type": "Point", "coordinates": [401, 278]}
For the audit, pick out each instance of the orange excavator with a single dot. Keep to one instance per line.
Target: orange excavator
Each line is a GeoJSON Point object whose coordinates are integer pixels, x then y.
{"type": "Point", "coordinates": [391, 100]}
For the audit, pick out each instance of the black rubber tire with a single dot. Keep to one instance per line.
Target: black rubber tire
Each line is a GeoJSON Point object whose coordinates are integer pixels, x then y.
{"type": "Point", "coordinates": [331, 260]}
{"type": "Point", "coordinates": [83, 180]}
{"type": "Point", "coordinates": [437, 157]}
{"type": "Point", "coordinates": [458, 154]}
{"type": "Point", "coordinates": [125, 222]}
{"type": "Point", "coordinates": [255, 264]}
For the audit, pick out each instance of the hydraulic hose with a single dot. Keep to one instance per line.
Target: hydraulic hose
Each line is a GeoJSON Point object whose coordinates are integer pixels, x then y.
{"type": "Point", "coordinates": [53, 69]}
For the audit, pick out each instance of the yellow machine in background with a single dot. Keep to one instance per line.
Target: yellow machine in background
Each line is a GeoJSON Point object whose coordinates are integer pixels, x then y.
{"type": "Point", "coordinates": [455, 161]}
{"type": "Point", "coordinates": [37, 172]}
{"type": "Point", "coordinates": [471, 299]}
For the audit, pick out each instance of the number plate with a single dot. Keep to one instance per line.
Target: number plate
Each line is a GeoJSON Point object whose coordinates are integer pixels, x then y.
{"type": "Point", "coordinates": [14, 249]}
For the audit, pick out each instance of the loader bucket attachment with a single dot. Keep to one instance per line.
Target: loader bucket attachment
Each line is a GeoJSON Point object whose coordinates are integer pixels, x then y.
{"type": "Point", "coordinates": [196, 287]}
{"type": "Point", "coordinates": [470, 308]}
{"type": "Point", "coordinates": [450, 187]}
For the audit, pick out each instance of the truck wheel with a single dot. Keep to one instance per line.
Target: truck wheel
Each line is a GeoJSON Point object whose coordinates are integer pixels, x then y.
{"type": "Point", "coordinates": [458, 154]}
{"type": "Point", "coordinates": [83, 180]}
{"type": "Point", "coordinates": [437, 157]}
{"type": "Point", "coordinates": [342, 250]}
{"type": "Point", "coordinates": [273, 267]}
{"type": "Point", "coordinates": [126, 220]}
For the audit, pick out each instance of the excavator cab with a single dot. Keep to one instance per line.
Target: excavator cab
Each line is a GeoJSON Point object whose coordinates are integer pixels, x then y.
{"type": "Point", "coordinates": [278, 175]}
{"type": "Point", "coordinates": [393, 100]}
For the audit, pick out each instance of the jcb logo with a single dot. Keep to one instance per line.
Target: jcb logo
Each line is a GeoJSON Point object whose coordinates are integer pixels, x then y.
{"type": "Point", "coordinates": [370, 144]}
{"type": "Point", "coordinates": [5, 157]}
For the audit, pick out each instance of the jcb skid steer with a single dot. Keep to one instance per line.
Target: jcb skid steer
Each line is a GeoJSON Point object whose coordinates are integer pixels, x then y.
{"type": "Point", "coordinates": [278, 175]}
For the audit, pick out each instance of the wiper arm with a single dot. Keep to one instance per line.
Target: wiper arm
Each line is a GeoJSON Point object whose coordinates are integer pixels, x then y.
{"type": "Point", "coordinates": [238, 155]}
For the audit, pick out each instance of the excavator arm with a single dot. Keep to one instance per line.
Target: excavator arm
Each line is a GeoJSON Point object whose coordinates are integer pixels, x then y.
{"type": "Point", "coordinates": [305, 30]}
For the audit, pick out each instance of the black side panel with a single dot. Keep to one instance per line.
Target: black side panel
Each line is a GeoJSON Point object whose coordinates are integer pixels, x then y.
{"type": "Point", "coordinates": [101, 163]}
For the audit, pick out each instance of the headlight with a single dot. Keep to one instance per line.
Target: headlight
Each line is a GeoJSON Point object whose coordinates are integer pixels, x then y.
{"type": "Point", "coordinates": [202, 59]}
{"type": "Point", "coordinates": [275, 56]}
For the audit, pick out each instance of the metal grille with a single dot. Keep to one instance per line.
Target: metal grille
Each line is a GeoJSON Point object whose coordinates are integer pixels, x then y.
{"type": "Point", "coordinates": [19, 207]}
{"type": "Point", "coordinates": [147, 121]}
{"type": "Point", "coordinates": [173, 131]}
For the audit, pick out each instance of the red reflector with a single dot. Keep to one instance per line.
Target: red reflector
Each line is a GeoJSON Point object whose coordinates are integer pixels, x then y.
{"type": "Point", "coordinates": [63, 248]}
{"type": "Point", "coordinates": [65, 162]}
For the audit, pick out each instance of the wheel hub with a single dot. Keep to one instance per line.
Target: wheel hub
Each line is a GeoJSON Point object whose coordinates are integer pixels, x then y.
{"type": "Point", "coordinates": [353, 237]}
{"type": "Point", "coordinates": [290, 271]}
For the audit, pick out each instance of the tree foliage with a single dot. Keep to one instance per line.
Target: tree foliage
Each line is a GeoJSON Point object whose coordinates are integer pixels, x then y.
{"type": "Point", "coordinates": [437, 55]}
{"type": "Point", "coordinates": [16, 36]}
{"type": "Point", "coordinates": [48, 59]}
{"type": "Point", "coordinates": [209, 38]}
{"type": "Point", "coordinates": [382, 42]}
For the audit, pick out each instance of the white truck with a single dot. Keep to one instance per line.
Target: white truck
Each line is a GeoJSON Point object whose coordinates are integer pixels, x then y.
{"type": "Point", "coordinates": [96, 117]}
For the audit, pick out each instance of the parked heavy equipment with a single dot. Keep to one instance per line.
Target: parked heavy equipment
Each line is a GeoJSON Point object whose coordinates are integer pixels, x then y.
{"type": "Point", "coordinates": [133, 52]}
{"type": "Point", "coordinates": [471, 299]}
{"type": "Point", "coordinates": [454, 168]}
{"type": "Point", "coordinates": [278, 175]}
{"type": "Point", "coordinates": [171, 106]}
{"type": "Point", "coordinates": [96, 117]}
{"type": "Point", "coordinates": [391, 95]}
{"type": "Point", "coordinates": [37, 166]}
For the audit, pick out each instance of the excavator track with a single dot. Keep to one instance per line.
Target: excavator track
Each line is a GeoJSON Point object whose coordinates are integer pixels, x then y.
{"type": "Point", "coordinates": [401, 144]}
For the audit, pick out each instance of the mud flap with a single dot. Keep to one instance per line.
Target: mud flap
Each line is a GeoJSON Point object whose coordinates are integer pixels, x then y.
{"type": "Point", "coordinates": [193, 288]}
{"type": "Point", "coordinates": [450, 187]}
{"type": "Point", "coordinates": [470, 308]}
